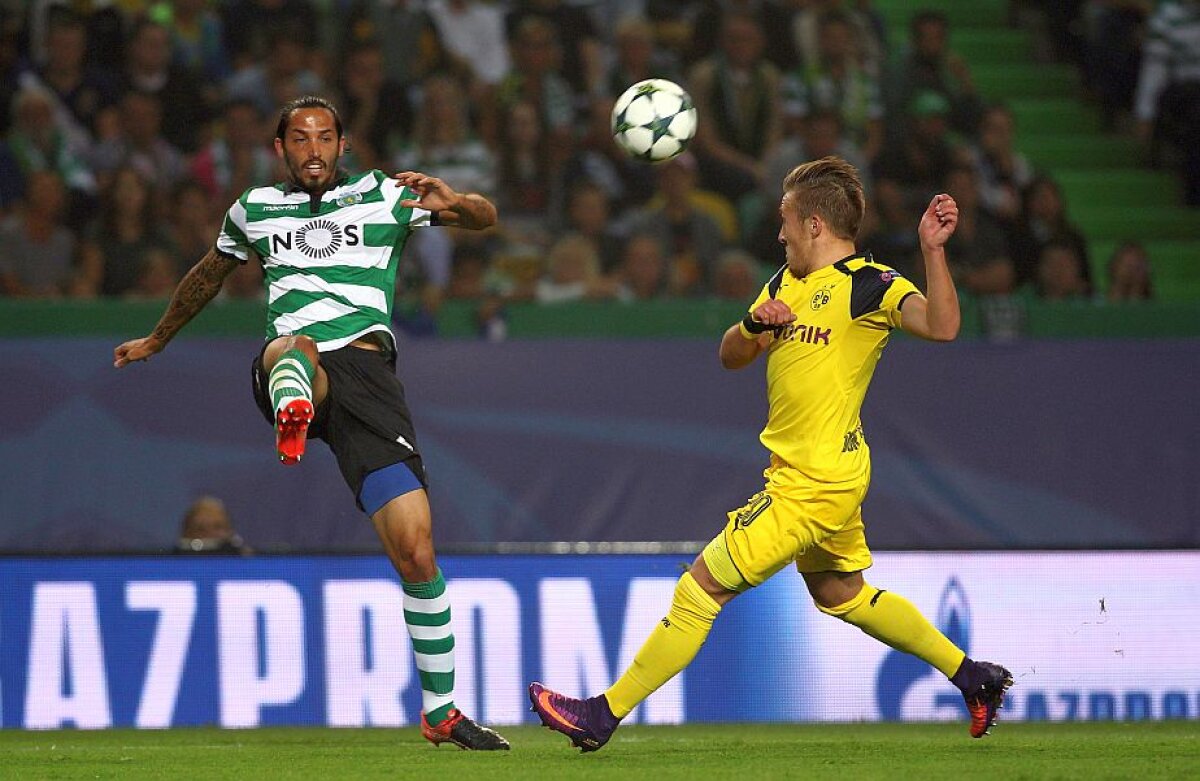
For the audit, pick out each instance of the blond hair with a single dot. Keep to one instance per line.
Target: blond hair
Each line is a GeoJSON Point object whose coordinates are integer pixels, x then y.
{"type": "Point", "coordinates": [832, 189]}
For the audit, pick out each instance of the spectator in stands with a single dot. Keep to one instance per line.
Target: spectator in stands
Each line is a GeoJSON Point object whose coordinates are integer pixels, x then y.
{"type": "Point", "coordinates": [192, 224]}
{"type": "Point", "coordinates": [643, 275]}
{"type": "Point", "coordinates": [1129, 277]}
{"type": "Point", "coordinates": [838, 81]}
{"type": "Point", "coordinates": [157, 275]}
{"type": "Point", "coordinates": [930, 65]}
{"type": "Point", "coordinates": [535, 80]}
{"type": "Point", "coordinates": [82, 91]}
{"type": "Point", "coordinates": [920, 159]}
{"type": "Point", "coordinates": [238, 156]}
{"type": "Point", "coordinates": [820, 135]}
{"type": "Point", "coordinates": [736, 90]}
{"type": "Point", "coordinates": [37, 251]}
{"type": "Point", "coordinates": [736, 277]}
{"type": "Point", "coordinates": [1112, 34]}
{"type": "Point", "coordinates": [282, 75]}
{"type": "Point", "coordinates": [197, 41]}
{"type": "Point", "coordinates": [979, 248]}
{"type": "Point", "coordinates": [1044, 220]}
{"type": "Point", "coordinates": [37, 143]}
{"type": "Point", "coordinates": [207, 528]}
{"type": "Point", "coordinates": [770, 17]}
{"type": "Point", "coordinates": [411, 47]}
{"type": "Point", "coordinates": [636, 57]}
{"type": "Point", "coordinates": [10, 66]}
{"type": "Point", "coordinates": [870, 31]}
{"type": "Point", "coordinates": [525, 181]}
{"type": "Point", "coordinates": [377, 113]}
{"type": "Point", "coordinates": [444, 140]}
{"type": "Point", "coordinates": [573, 273]}
{"type": "Point", "coordinates": [125, 229]}
{"type": "Point", "coordinates": [589, 216]}
{"type": "Point", "coordinates": [1062, 273]}
{"type": "Point", "coordinates": [468, 273]}
{"type": "Point", "coordinates": [473, 33]}
{"type": "Point", "coordinates": [245, 283]}
{"type": "Point", "coordinates": [691, 225]}
{"type": "Point", "coordinates": [1003, 172]}
{"type": "Point", "coordinates": [628, 182]}
{"type": "Point", "coordinates": [1167, 105]}
{"type": "Point", "coordinates": [887, 230]}
{"type": "Point", "coordinates": [149, 70]}
{"type": "Point", "coordinates": [577, 42]}
{"type": "Point", "coordinates": [252, 25]}
{"type": "Point", "coordinates": [140, 144]}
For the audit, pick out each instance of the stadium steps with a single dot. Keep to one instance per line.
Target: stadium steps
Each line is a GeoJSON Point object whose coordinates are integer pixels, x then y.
{"type": "Point", "coordinates": [977, 13]}
{"type": "Point", "coordinates": [1109, 194]}
{"type": "Point", "coordinates": [1054, 115]}
{"type": "Point", "coordinates": [1079, 151]}
{"type": "Point", "coordinates": [1021, 78]}
{"type": "Point", "coordinates": [1137, 187]}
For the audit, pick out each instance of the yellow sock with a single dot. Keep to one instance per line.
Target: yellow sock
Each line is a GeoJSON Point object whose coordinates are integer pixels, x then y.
{"type": "Point", "coordinates": [892, 619]}
{"type": "Point", "coordinates": [671, 647]}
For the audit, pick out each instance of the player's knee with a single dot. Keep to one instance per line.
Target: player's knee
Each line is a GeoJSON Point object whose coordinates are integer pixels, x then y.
{"type": "Point", "coordinates": [417, 564]}
{"type": "Point", "coordinates": [702, 574]}
{"type": "Point", "coordinates": [842, 604]}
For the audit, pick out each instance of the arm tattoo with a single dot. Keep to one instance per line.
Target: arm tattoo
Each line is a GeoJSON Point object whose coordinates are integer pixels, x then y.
{"type": "Point", "coordinates": [199, 286]}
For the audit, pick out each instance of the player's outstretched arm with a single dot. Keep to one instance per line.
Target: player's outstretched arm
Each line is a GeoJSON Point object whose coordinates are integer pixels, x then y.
{"type": "Point", "coordinates": [199, 286]}
{"type": "Point", "coordinates": [935, 315]}
{"type": "Point", "coordinates": [465, 210]}
{"type": "Point", "coordinates": [743, 342]}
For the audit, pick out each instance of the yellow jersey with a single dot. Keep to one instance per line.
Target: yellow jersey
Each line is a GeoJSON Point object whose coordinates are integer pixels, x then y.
{"type": "Point", "coordinates": [819, 367]}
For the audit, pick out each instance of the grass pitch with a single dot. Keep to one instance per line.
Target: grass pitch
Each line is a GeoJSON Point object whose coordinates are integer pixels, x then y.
{"type": "Point", "coordinates": [1160, 750]}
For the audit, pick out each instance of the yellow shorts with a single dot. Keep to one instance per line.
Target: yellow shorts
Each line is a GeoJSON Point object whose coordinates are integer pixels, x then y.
{"type": "Point", "coordinates": [817, 525]}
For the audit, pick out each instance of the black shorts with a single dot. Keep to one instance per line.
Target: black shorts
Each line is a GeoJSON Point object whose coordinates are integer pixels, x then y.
{"type": "Point", "coordinates": [364, 419]}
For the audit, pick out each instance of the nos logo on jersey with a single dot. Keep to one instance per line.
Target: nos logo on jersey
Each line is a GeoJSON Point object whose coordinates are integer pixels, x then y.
{"type": "Point", "coordinates": [318, 239]}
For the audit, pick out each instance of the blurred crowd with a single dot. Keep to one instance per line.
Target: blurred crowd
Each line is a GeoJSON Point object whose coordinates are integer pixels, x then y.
{"type": "Point", "coordinates": [129, 126]}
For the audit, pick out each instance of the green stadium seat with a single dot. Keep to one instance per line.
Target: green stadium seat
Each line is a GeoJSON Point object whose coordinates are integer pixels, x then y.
{"type": "Point", "coordinates": [1024, 79]}
{"type": "Point", "coordinates": [1059, 151]}
{"type": "Point", "coordinates": [991, 45]}
{"type": "Point", "coordinates": [977, 13]}
{"type": "Point", "coordinates": [1135, 186]}
{"type": "Point", "coordinates": [1053, 115]}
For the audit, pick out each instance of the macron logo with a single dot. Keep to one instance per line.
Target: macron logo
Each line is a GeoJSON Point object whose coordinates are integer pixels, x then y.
{"type": "Point", "coordinates": [280, 207]}
{"type": "Point", "coordinates": [401, 440]}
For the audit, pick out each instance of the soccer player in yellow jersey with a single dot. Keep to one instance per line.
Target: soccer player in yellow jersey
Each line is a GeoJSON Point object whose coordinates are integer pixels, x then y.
{"type": "Point", "coordinates": [823, 321]}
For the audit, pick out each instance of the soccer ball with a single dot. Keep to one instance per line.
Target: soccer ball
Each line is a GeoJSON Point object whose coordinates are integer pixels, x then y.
{"type": "Point", "coordinates": [654, 120]}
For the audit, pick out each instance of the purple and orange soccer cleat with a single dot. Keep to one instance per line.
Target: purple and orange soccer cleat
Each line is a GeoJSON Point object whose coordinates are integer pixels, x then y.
{"type": "Point", "coordinates": [464, 733]}
{"type": "Point", "coordinates": [986, 696]}
{"type": "Point", "coordinates": [291, 430]}
{"type": "Point", "coordinates": [588, 723]}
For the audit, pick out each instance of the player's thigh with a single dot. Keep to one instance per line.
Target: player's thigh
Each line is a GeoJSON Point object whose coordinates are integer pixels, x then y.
{"type": "Point", "coordinates": [789, 516]}
{"type": "Point", "coordinates": [842, 552]}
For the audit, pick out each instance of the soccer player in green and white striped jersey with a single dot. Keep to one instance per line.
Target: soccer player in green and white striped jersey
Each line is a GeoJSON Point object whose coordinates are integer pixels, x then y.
{"type": "Point", "coordinates": [329, 245]}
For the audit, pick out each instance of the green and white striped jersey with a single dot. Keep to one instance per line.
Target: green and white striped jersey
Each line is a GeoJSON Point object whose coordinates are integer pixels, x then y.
{"type": "Point", "coordinates": [330, 265]}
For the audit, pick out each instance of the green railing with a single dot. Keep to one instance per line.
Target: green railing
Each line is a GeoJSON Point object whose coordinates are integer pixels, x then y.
{"type": "Point", "coordinates": [680, 318]}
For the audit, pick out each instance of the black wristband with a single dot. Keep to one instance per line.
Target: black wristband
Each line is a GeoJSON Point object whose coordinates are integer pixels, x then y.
{"type": "Point", "coordinates": [755, 327]}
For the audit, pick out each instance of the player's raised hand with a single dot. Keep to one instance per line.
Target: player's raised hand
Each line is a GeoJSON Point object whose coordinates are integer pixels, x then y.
{"type": "Point", "coordinates": [773, 313]}
{"type": "Point", "coordinates": [432, 193]}
{"type": "Point", "coordinates": [136, 350]}
{"type": "Point", "coordinates": [938, 222]}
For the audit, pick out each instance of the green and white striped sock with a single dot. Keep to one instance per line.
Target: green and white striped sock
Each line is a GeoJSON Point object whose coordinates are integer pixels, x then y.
{"type": "Point", "coordinates": [291, 377]}
{"type": "Point", "coordinates": [427, 614]}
